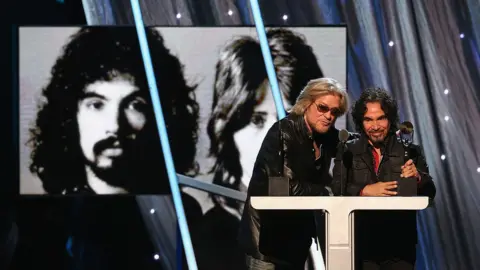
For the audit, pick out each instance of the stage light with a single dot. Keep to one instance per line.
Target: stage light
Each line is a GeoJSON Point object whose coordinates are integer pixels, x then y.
{"type": "Point", "coordinates": [391, 44]}
{"type": "Point", "coordinates": [447, 118]}
{"type": "Point", "coordinates": [446, 91]}
{"type": "Point", "coordinates": [152, 211]}
{"type": "Point", "coordinates": [443, 157]}
{"type": "Point", "coordinates": [230, 12]}
{"type": "Point", "coordinates": [285, 17]}
{"type": "Point", "coordinates": [179, 15]}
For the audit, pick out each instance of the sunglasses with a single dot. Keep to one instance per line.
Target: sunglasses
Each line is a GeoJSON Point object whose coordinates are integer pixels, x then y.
{"type": "Point", "coordinates": [324, 109]}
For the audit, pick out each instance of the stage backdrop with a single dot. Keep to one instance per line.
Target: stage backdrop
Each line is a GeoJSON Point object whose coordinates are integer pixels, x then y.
{"type": "Point", "coordinates": [440, 39]}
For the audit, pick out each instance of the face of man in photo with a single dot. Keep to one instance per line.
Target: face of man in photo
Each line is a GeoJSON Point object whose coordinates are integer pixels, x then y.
{"type": "Point", "coordinates": [110, 116]}
{"type": "Point", "coordinates": [249, 139]}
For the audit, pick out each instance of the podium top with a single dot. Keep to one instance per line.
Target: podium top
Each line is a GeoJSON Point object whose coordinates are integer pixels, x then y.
{"type": "Point", "coordinates": [328, 203]}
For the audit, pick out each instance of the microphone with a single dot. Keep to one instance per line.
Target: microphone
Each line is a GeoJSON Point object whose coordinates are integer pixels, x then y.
{"type": "Point", "coordinates": [343, 137]}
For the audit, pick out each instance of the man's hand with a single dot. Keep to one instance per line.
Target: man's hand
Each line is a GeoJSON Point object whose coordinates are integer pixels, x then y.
{"type": "Point", "coordinates": [409, 170]}
{"type": "Point", "coordinates": [380, 189]}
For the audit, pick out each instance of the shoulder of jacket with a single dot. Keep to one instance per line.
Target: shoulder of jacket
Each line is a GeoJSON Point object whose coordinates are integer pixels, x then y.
{"type": "Point", "coordinates": [286, 124]}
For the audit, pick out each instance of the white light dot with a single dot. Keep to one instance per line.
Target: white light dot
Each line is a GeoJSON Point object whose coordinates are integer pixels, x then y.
{"type": "Point", "coordinates": [152, 211]}
{"type": "Point", "coordinates": [447, 118]}
{"type": "Point", "coordinates": [462, 35]}
{"type": "Point", "coordinates": [442, 157]}
{"type": "Point", "coordinates": [156, 256]}
{"type": "Point", "coordinates": [446, 91]}
{"type": "Point", "coordinates": [391, 43]}
{"type": "Point", "coordinates": [285, 17]}
{"type": "Point", "coordinates": [230, 12]}
{"type": "Point", "coordinates": [478, 169]}
{"type": "Point", "coordinates": [179, 15]}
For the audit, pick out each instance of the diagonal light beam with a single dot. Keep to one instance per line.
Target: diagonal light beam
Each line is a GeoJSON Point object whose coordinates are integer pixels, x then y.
{"type": "Point", "coordinates": [172, 177]}
{"type": "Point", "coordinates": [272, 76]}
{"type": "Point", "coordinates": [267, 58]}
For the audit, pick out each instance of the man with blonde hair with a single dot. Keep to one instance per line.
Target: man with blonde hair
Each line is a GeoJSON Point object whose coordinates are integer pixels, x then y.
{"type": "Point", "coordinates": [294, 160]}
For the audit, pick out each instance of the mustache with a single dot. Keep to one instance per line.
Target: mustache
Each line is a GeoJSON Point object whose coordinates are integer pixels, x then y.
{"type": "Point", "coordinates": [325, 121]}
{"type": "Point", "coordinates": [111, 142]}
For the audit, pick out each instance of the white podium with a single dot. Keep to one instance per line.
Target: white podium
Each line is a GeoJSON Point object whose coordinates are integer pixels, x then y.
{"type": "Point", "coordinates": [339, 221]}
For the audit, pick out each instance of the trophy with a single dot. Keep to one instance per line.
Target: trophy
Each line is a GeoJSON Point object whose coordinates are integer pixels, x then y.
{"type": "Point", "coordinates": [406, 186]}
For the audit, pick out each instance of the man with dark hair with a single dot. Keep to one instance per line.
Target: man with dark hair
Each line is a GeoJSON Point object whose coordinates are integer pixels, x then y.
{"type": "Point", "coordinates": [96, 134]}
{"type": "Point", "coordinates": [374, 164]}
{"type": "Point", "coordinates": [96, 131]}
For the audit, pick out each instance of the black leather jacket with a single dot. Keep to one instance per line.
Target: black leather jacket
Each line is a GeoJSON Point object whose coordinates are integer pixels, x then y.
{"type": "Point", "coordinates": [284, 237]}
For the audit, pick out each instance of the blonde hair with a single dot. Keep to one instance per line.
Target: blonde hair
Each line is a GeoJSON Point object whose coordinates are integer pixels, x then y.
{"type": "Point", "coordinates": [316, 88]}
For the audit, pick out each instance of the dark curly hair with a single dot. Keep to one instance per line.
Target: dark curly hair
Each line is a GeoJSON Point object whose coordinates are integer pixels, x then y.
{"type": "Point", "coordinates": [240, 73]}
{"type": "Point", "coordinates": [387, 103]}
{"type": "Point", "coordinates": [90, 55]}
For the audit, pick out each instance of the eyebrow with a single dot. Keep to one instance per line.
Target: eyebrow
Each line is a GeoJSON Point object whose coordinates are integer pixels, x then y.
{"type": "Point", "coordinates": [91, 94]}
{"type": "Point", "coordinates": [86, 95]}
{"type": "Point", "coordinates": [381, 116]}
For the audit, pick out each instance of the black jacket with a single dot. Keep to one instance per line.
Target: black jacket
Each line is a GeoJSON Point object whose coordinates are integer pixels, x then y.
{"type": "Point", "coordinates": [388, 233]}
{"type": "Point", "coordinates": [284, 237]}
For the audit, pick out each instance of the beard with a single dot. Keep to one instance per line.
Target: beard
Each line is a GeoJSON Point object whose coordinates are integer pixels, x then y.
{"type": "Point", "coordinates": [116, 173]}
{"type": "Point", "coordinates": [320, 126]}
{"type": "Point", "coordinates": [377, 140]}
{"type": "Point", "coordinates": [115, 170]}
{"type": "Point", "coordinates": [139, 169]}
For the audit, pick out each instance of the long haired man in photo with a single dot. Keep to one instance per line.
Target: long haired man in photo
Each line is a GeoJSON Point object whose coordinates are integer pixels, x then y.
{"type": "Point", "coordinates": [96, 134]}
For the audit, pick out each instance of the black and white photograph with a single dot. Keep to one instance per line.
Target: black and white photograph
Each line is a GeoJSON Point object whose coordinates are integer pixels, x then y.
{"type": "Point", "coordinates": [86, 118]}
